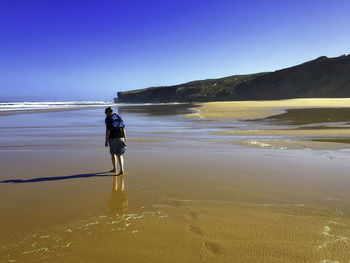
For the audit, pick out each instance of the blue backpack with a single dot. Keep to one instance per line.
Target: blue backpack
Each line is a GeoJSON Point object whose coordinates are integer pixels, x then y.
{"type": "Point", "coordinates": [114, 122]}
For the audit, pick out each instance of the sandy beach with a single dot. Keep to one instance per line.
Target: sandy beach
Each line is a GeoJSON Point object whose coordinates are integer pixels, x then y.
{"type": "Point", "coordinates": [294, 124]}
{"type": "Point", "coordinates": [260, 109]}
{"type": "Point", "coordinates": [231, 182]}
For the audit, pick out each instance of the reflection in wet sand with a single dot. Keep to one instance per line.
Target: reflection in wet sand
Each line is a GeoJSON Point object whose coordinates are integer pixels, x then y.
{"type": "Point", "coordinates": [103, 234]}
{"type": "Point", "coordinates": [118, 203]}
{"type": "Point", "coordinates": [320, 128]}
{"type": "Point", "coordinates": [293, 144]}
{"type": "Point", "coordinates": [309, 116]}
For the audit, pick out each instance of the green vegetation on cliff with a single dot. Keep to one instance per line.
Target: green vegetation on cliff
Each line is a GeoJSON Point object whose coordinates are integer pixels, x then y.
{"type": "Point", "coordinates": [319, 78]}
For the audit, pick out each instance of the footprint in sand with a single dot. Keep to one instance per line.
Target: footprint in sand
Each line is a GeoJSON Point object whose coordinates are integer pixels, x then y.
{"type": "Point", "coordinates": [211, 247]}
{"type": "Point", "coordinates": [195, 230]}
{"type": "Point", "coordinates": [192, 215]}
{"type": "Point", "coordinates": [208, 251]}
{"type": "Point", "coordinates": [208, 247]}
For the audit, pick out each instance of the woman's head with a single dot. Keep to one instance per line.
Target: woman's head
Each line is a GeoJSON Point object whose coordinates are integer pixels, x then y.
{"type": "Point", "coordinates": [108, 110]}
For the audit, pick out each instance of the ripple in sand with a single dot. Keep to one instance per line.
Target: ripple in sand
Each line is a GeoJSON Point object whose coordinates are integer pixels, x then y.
{"type": "Point", "coordinates": [60, 241]}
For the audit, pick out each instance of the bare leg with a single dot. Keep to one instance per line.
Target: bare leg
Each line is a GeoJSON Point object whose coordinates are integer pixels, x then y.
{"type": "Point", "coordinates": [122, 183]}
{"type": "Point", "coordinates": [115, 184]}
{"type": "Point", "coordinates": [121, 164]}
{"type": "Point", "coordinates": [113, 162]}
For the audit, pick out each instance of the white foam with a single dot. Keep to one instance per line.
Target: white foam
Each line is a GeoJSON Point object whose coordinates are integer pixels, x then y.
{"type": "Point", "coordinates": [263, 144]}
{"type": "Point", "coordinates": [326, 231]}
{"type": "Point", "coordinates": [13, 106]}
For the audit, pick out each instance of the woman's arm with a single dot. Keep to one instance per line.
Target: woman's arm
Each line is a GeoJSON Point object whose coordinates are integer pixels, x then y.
{"type": "Point", "coordinates": [124, 134]}
{"type": "Point", "coordinates": [108, 132]}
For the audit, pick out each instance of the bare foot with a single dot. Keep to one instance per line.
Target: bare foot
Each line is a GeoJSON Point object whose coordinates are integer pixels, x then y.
{"type": "Point", "coordinates": [120, 173]}
{"type": "Point", "coordinates": [113, 171]}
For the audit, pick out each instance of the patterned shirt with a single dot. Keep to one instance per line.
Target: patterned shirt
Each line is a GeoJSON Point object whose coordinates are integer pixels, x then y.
{"type": "Point", "coordinates": [115, 124]}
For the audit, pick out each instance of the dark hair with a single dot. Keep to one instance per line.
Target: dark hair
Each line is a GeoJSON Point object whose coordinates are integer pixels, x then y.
{"type": "Point", "coordinates": [108, 110]}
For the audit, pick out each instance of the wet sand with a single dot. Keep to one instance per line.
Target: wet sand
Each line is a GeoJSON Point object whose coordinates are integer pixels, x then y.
{"type": "Point", "coordinates": [318, 124]}
{"type": "Point", "coordinates": [188, 195]}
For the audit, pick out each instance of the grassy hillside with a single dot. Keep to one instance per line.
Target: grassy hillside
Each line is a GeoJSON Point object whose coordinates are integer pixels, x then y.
{"type": "Point", "coordinates": [323, 77]}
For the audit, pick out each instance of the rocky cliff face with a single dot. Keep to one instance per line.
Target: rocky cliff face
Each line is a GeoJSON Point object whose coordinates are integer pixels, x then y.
{"type": "Point", "coordinates": [320, 78]}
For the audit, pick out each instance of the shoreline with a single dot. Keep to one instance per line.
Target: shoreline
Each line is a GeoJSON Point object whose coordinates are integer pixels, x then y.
{"type": "Point", "coordinates": [25, 111]}
{"type": "Point", "coordinates": [14, 112]}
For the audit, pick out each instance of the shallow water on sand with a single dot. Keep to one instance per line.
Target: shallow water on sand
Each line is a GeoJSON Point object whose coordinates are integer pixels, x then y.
{"type": "Point", "coordinates": [317, 129]}
{"type": "Point", "coordinates": [189, 194]}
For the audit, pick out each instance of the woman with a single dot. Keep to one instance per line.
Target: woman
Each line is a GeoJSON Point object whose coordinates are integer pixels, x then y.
{"type": "Point", "coordinates": [115, 138]}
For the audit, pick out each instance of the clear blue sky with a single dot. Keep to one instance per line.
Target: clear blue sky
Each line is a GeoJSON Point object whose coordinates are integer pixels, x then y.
{"type": "Point", "coordinates": [89, 50]}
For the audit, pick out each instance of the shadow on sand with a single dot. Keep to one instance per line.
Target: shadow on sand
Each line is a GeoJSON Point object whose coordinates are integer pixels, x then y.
{"type": "Point", "coordinates": [44, 179]}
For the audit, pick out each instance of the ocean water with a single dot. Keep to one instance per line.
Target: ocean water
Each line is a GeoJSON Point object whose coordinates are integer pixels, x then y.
{"type": "Point", "coordinates": [13, 106]}
{"type": "Point", "coordinates": [51, 129]}
{"type": "Point", "coordinates": [52, 105]}
{"type": "Point", "coordinates": [164, 121]}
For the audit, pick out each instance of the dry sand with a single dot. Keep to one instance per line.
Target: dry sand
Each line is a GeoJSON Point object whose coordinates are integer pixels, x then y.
{"type": "Point", "coordinates": [260, 109]}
